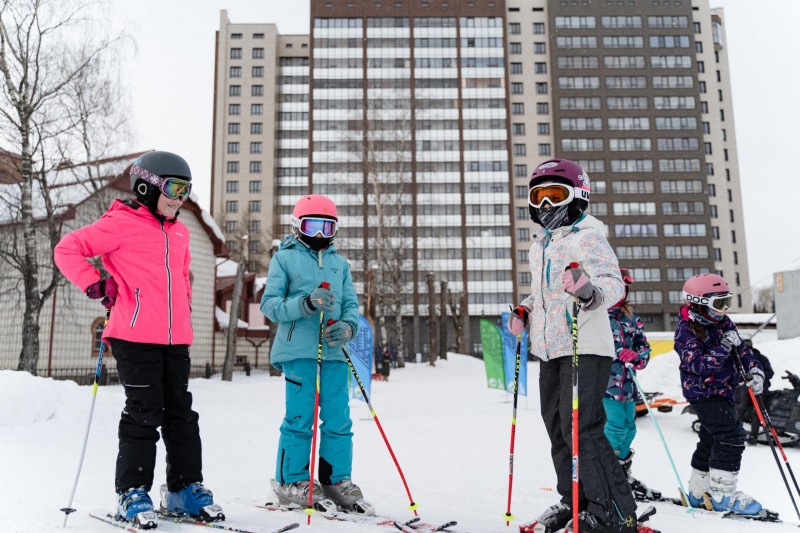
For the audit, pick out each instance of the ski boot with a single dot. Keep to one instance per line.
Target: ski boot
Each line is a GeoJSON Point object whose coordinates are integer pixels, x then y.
{"type": "Point", "coordinates": [135, 506]}
{"type": "Point", "coordinates": [589, 523]}
{"type": "Point", "coordinates": [723, 495]}
{"type": "Point", "coordinates": [348, 497]}
{"type": "Point", "coordinates": [641, 492]}
{"type": "Point", "coordinates": [699, 485]}
{"type": "Point", "coordinates": [295, 495]}
{"type": "Point", "coordinates": [553, 519]}
{"type": "Point", "coordinates": [194, 500]}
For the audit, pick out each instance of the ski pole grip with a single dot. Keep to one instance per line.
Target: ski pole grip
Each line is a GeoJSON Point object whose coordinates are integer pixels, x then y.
{"type": "Point", "coordinates": [325, 285]}
{"type": "Point", "coordinates": [573, 264]}
{"type": "Point", "coordinates": [329, 322]}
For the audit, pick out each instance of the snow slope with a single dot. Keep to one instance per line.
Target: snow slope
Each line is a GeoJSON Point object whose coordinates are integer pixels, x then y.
{"type": "Point", "coordinates": [449, 432]}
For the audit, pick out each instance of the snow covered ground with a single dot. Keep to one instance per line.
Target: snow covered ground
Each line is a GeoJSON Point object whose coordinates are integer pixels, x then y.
{"type": "Point", "coordinates": [449, 432]}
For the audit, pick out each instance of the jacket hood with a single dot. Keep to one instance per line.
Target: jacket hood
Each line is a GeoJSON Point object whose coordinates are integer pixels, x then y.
{"type": "Point", "coordinates": [583, 223]}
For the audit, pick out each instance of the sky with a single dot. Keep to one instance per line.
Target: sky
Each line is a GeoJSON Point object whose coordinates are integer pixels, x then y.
{"type": "Point", "coordinates": [171, 94]}
{"type": "Point", "coordinates": [449, 432]}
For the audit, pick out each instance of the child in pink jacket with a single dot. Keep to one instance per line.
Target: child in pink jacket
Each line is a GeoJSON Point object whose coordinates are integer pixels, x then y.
{"type": "Point", "coordinates": [145, 249]}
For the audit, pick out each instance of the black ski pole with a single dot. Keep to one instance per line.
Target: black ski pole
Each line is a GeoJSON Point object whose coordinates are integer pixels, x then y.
{"type": "Point", "coordinates": [766, 422]}
{"type": "Point", "coordinates": [68, 509]}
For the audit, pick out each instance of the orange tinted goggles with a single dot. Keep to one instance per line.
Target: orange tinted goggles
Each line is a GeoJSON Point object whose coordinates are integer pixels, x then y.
{"type": "Point", "coordinates": [554, 193]}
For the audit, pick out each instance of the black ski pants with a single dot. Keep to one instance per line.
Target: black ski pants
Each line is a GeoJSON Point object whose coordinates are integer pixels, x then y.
{"type": "Point", "coordinates": [156, 381]}
{"type": "Point", "coordinates": [604, 489]}
{"type": "Point", "coordinates": [722, 436]}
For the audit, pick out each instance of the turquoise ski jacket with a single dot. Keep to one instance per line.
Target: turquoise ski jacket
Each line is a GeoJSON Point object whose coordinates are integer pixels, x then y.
{"type": "Point", "coordinates": [294, 272]}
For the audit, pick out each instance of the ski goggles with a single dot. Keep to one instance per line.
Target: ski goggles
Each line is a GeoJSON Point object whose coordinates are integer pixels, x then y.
{"type": "Point", "coordinates": [555, 194]}
{"type": "Point", "coordinates": [627, 276]}
{"type": "Point", "coordinates": [717, 302]}
{"type": "Point", "coordinates": [312, 226]}
{"type": "Point", "coordinates": [176, 188]}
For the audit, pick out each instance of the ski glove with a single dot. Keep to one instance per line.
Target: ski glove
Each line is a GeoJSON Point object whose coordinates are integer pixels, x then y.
{"type": "Point", "coordinates": [517, 320]}
{"type": "Point", "coordinates": [628, 356]}
{"type": "Point", "coordinates": [338, 334]}
{"type": "Point", "coordinates": [731, 338]}
{"type": "Point", "coordinates": [755, 380]}
{"type": "Point", "coordinates": [319, 297]}
{"type": "Point", "coordinates": [105, 289]}
{"type": "Point", "coordinates": [576, 283]}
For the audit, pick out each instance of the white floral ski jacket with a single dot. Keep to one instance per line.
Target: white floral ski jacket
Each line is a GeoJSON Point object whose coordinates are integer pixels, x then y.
{"type": "Point", "coordinates": [550, 319]}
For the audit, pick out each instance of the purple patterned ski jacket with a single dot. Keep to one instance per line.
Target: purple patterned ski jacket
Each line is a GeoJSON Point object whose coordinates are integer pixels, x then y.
{"type": "Point", "coordinates": [708, 367]}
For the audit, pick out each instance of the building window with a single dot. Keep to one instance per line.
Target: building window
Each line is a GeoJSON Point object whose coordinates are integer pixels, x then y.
{"type": "Point", "coordinates": [233, 148]}
{"type": "Point", "coordinates": [255, 186]}
{"type": "Point", "coordinates": [520, 171]}
{"type": "Point", "coordinates": [516, 88]}
{"type": "Point", "coordinates": [234, 109]}
{"type": "Point", "coordinates": [256, 128]}
{"type": "Point", "coordinates": [232, 186]}
{"type": "Point", "coordinates": [538, 28]}
{"type": "Point", "coordinates": [541, 88]}
{"type": "Point", "coordinates": [256, 147]}
{"type": "Point", "coordinates": [236, 53]}
{"type": "Point", "coordinates": [256, 109]}
{"type": "Point", "coordinates": [255, 168]}
{"type": "Point", "coordinates": [539, 48]}
{"type": "Point", "coordinates": [236, 72]}
{"type": "Point", "coordinates": [236, 35]}
{"type": "Point", "coordinates": [516, 68]}
{"type": "Point", "coordinates": [514, 28]}
{"type": "Point", "coordinates": [540, 68]}
{"type": "Point", "coordinates": [544, 149]}
{"type": "Point", "coordinates": [257, 90]}
{"type": "Point", "coordinates": [257, 72]}
{"type": "Point", "coordinates": [518, 109]}
{"type": "Point", "coordinates": [231, 206]}
{"type": "Point", "coordinates": [523, 234]}
{"type": "Point", "coordinates": [254, 206]}
{"type": "Point", "coordinates": [231, 225]}
{"type": "Point", "coordinates": [233, 167]}
{"type": "Point", "coordinates": [258, 53]}
{"type": "Point", "coordinates": [235, 90]}
{"type": "Point", "coordinates": [519, 150]}
{"type": "Point", "coordinates": [514, 48]}
{"type": "Point", "coordinates": [233, 128]}
{"type": "Point", "coordinates": [542, 108]}
{"type": "Point", "coordinates": [518, 128]}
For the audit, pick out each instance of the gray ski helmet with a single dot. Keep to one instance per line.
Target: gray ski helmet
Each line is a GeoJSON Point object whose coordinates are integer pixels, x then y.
{"type": "Point", "coordinates": [149, 170]}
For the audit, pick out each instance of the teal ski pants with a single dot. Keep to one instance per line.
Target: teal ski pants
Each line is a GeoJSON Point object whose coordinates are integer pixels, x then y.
{"type": "Point", "coordinates": [620, 428]}
{"type": "Point", "coordinates": [334, 435]}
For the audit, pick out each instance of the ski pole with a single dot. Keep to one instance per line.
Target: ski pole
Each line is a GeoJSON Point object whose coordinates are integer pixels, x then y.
{"type": "Point", "coordinates": [68, 509]}
{"type": "Point", "coordinates": [412, 505]}
{"type": "Point", "coordinates": [769, 429]}
{"type": "Point", "coordinates": [575, 460]}
{"type": "Point", "coordinates": [684, 497]}
{"type": "Point", "coordinates": [508, 516]}
{"type": "Point", "coordinates": [310, 508]}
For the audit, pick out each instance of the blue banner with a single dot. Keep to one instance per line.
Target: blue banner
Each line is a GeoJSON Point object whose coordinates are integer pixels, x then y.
{"type": "Point", "coordinates": [361, 355]}
{"type": "Point", "coordinates": [510, 357]}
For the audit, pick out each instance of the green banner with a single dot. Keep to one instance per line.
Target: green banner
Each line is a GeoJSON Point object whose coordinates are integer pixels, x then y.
{"type": "Point", "coordinates": [492, 342]}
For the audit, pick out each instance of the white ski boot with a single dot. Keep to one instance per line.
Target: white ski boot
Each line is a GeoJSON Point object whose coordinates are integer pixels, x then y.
{"type": "Point", "coordinates": [723, 495]}
{"type": "Point", "coordinates": [348, 497]}
{"type": "Point", "coordinates": [295, 495]}
{"type": "Point", "coordinates": [699, 485]}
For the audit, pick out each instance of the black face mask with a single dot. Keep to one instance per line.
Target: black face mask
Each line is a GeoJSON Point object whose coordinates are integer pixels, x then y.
{"type": "Point", "coordinates": [553, 218]}
{"type": "Point", "coordinates": [315, 243]}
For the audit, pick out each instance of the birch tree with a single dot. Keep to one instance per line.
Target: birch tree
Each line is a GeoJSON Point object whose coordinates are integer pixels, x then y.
{"type": "Point", "coordinates": [50, 50]}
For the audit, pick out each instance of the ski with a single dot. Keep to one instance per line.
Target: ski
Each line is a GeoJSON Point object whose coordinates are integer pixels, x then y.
{"type": "Point", "coordinates": [111, 520]}
{"type": "Point", "coordinates": [413, 525]}
{"type": "Point", "coordinates": [765, 515]}
{"type": "Point", "coordinates": [186, 519]}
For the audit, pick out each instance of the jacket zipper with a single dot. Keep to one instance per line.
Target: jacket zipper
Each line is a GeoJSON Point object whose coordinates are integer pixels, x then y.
{"type": "Point", "coordinates": [169, 284]}
{"type": "Point", "coordinates": [136, 310]}
{"type": "Point", "coordinates": [291, 330]}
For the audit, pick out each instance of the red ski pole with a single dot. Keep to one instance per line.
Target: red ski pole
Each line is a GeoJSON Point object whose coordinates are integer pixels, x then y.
{"type": "Point", "coordinates": [310, 508]}
{"type": "Point", "coordinates": [508, 516]}
{"type": "Point", "coordinates": [412, 505]}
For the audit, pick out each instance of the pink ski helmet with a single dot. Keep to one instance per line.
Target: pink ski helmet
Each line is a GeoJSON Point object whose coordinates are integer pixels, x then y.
{"type": "Point", "coordinates": [569, 173]}
{"type": "Point", "coordinates": [314, 205]}
{"type": "Point", "coordinates": [708, 296]}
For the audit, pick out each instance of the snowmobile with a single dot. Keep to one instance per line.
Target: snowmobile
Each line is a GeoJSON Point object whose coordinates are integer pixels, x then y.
{"type": "Point", "coordinates": [783, 407]}
{"type": "Point", "coordinates": [656, 401]}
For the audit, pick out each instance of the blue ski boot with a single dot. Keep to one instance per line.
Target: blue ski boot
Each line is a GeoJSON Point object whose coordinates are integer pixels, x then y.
{"type": "Point", "coordinates": [723, 495]}
{"type": "Point", "coordinates": [135, 506]}
{"type": "Point", "coordinates": [699, 485]}
{"type": "Point", "coordinates": [194, 500]}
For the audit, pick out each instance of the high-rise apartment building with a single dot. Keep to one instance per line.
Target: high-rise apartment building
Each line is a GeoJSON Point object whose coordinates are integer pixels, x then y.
{"type": "Point", "coordinates": [424, 119]}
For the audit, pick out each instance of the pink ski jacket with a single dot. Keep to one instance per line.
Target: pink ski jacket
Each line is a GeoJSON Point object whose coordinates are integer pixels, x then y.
{"type": "Point", "coordinates": [149, 259]}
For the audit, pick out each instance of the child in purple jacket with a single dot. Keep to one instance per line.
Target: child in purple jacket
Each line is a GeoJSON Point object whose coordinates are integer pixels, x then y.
{"type": "Point", "coordinates": [710, 351]}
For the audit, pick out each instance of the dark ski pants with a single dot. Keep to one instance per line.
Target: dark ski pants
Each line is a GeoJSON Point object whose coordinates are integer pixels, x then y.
{"type": "Point", "coordinates": [156, 381]}
{"type": "Point", "coordinates": [604, 489]}
{"type": "Point", "coordinates": [722, 436]}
